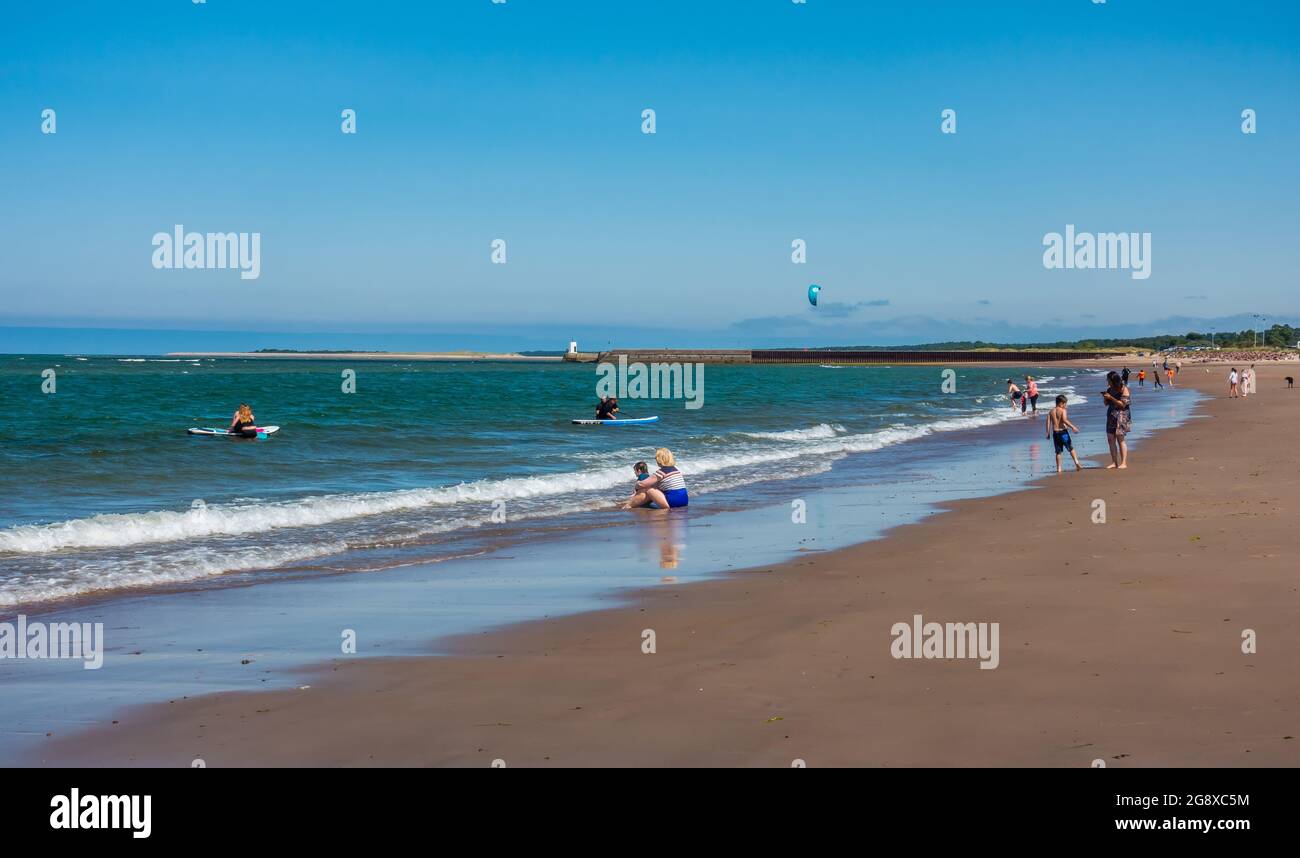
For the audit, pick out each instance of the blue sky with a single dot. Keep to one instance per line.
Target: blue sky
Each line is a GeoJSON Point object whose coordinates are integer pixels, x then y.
{"type": "Point", "coordinates": [522, 121]}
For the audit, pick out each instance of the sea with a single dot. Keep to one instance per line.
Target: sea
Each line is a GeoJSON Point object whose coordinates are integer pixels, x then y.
{"type": "Point", "coordinates": [380, 465]}
{"type": "Point", "coordinates": [440, 500]}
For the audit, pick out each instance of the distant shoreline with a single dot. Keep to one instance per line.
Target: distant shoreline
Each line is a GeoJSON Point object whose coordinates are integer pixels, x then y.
{"type": "Point", "coordinates": [430, 356]}
{"type": "Point", "coordinates": [774, 356]}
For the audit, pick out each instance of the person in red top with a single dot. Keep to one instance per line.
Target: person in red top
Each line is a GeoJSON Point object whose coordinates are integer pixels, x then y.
{"type": "Point", "coordinates": [1031, 395]}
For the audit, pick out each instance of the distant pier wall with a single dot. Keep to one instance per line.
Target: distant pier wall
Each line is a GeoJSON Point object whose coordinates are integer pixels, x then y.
{"type": "Point", "coordinates": [679, 355]}
{"type": "Point", "coordinates": [913, 357]}
{"type": "Point", "coordinates": [832, 356]}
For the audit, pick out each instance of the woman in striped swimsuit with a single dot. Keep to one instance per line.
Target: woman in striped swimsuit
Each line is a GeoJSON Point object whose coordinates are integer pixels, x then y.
{"type": "Point", "coordinates": [664, 488]}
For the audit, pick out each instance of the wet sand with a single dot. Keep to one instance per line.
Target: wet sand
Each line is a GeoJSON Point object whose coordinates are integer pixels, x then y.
{"type": "Point", "coordinates": [1119, 641]}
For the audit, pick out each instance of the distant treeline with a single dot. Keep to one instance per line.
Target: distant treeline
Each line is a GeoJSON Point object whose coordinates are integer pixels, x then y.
{"type": "Point", "coordinates": [318, 352]}
{"type": "Point", "coordinates": [1276, 337]}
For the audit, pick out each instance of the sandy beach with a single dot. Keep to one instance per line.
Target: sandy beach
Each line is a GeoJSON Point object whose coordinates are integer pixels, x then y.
{"type": "Point", "coordinates": [1119, 641]}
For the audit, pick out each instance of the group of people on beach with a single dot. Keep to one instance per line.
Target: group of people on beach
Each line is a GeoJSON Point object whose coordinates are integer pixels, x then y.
{"type": "Point", "coordinates": [1171, 373]}
{"type": "Point", "coordinates": [1241, 385]}
{"type": "Point", "coordinates": [1024, 398]}
{"type": "Point", "coordinates": [1118, 399]}
{"type": "Point", "coordinates": [664, 489]}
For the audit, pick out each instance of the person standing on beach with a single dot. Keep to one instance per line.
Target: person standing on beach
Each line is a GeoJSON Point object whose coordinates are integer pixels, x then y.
{"type": "Point", "coordinates": [1243, 383]}
{"type": "Point", "coordinates": [1031, 395]}
{"type": "Point", "coordinates": [1014, 392]}
{"type": "Point", "coordinates": [1155, 373]}
{"type": "Point", "coordinates": [1058, 429]}
{"type": "Point", "coordinates": [1232, 383]}
{"type": "Point", "coordinates": [1119, 419]}
{"type": "Point", "coordinates": [1142, 377]}
{"type": "Point", "coordinates": [1253, 379]}
{"type": "Point", "coordinates": [1124, 374]}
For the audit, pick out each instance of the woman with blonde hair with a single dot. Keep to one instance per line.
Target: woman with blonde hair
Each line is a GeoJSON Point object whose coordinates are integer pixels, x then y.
{"type": "Point", "coordinates": [665, 488]}
{"type": "Point", "coordinates": [243, 422]}
{"type": "Point", "coordinates": [1030, 396]}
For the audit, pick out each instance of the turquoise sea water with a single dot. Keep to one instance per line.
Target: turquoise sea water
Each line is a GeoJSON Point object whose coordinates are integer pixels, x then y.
{"type": "Point", "coordinates": [97, 482]}
{"type": "Point", "coordinates": [102, 491]}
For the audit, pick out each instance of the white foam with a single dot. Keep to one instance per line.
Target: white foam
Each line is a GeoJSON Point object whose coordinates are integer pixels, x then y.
{"type": "Point", "coordinates": [812, 433]}
{"type": "Point", "coordinates": [119, 530]}
{"type": "Point", "coordinates": [177, 567]}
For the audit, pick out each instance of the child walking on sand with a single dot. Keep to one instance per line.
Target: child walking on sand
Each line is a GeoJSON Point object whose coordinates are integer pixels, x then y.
{"type": "Point", "coordinates": [1058, 429]}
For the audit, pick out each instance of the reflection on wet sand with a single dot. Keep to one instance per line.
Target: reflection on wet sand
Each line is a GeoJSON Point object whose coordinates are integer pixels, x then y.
{"type": "Point", "coordinates": [665, 531]}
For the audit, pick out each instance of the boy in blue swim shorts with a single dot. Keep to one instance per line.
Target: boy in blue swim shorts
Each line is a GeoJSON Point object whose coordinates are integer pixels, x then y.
{"type": "Point", "coordinates": [1058, 429]}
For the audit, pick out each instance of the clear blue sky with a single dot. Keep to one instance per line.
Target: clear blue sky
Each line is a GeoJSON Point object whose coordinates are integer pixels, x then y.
{"type": "Point", "coordinates": [522, 121]}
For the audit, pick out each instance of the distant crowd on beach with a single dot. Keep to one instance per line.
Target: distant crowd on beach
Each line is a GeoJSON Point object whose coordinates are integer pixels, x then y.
{"type": "Point", "coordinates": [1238, 356]}
{"type": "Point", "coordinates": [1242, 383]}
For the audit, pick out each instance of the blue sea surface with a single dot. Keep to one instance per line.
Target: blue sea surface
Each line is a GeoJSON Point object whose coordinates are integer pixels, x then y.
{"type": "Point", "coordinates": [102, 490]}
{"type": "Point", "coordinates": [378, 511]}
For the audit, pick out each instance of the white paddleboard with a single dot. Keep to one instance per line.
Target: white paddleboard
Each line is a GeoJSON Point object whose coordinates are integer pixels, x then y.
{"type": "Point", "coordinates": [262, 431]}
{"type": "Point", "coordinates": [627, 421]}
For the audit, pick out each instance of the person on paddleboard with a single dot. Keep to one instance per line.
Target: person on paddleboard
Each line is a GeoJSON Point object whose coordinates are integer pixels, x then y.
{"type": "Point", "coordinates": [607, 409]}
{"type": "Point", "coordinates": [243, 423]}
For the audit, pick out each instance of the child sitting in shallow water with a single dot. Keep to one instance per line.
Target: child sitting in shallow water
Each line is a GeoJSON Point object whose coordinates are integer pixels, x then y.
{"type": "Point", "coordinates": [664, 489]}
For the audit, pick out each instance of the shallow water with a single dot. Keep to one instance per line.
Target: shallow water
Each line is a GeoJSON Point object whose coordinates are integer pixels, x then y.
{"type": "Point", "coordinates": [168, 642]}
{"type": "Point", "coordinates": [101, 490]}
